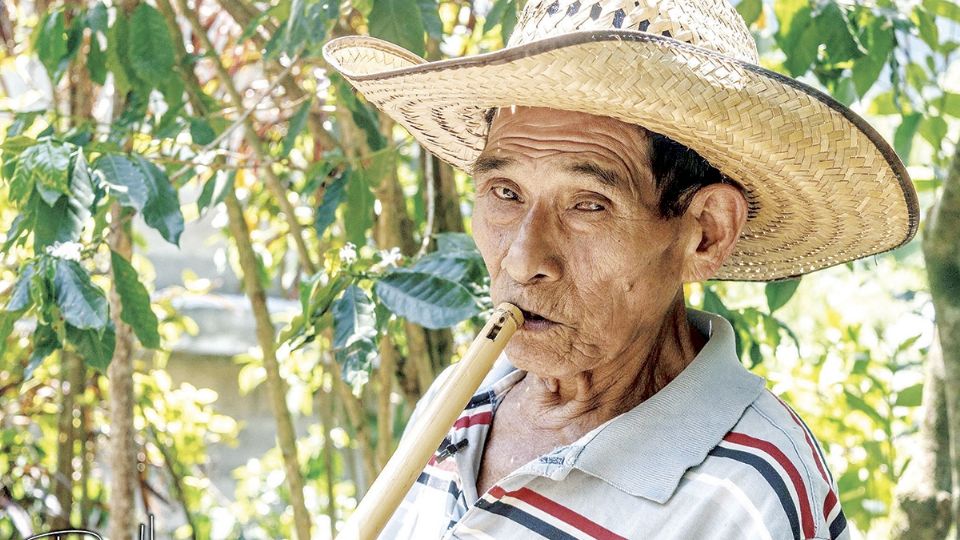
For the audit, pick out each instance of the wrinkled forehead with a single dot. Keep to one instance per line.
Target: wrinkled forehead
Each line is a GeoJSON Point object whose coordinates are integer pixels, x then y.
{"type": "Point", "coordinates": [602, 146]}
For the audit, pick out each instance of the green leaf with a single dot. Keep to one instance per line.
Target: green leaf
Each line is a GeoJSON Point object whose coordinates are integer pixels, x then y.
{"type": "Point", "coordinates": [97, 18]}
{"type": "Point", "coordinates": [201, 132]}
{"type": "Point", "coordinates": [456, 242]}
{"type": "Point", "coordinates": [151, 49]}
{"type": "Point", "coordinates": [508, 22]}
{"type": "Point", "coordinates": [426, 299]}
{"type": "Point", "coordinates": [20, 299]}
{"type": "Point", "coordinates": [97, 62]}
{"type": "Point", "coordinates": [15, 232]}
{"type": "Point", "coordinates": [355, 363]}
{"type": "Point", "coordinates": [903, 136]}
{"type": "Point", "coordinates": [17, 143]}
{"type": "Point", "coordinates": [45, 341]}
{"type": "Point", "coordinates": [7, 321]}
{"type": "Point", "coordinates": [215, 190]}
{"type": "Point", "coordinates": [135, 302]}
{"type": "Point", "coordinates": [927, 26]}
{"type": "Point", "coordinates": [118, 54]}
{"type": "Point", "coordinates": [495, 15]}
{"type": "Point", "coordinates": [910, 396]}
{"type": "Point", "coordinates": [943, 8]}
{"type": "Point", "coordinates": [123, 180]}
{"type": "Point", "coordinates": [750, 10]}
{"type": "Point", "coordinates": [430, 12]}
{"type": "Point", "coordinates": [779, 293]}
{"type": "Point", "coordinates": [48, 165]}
{"type": "Point", "coordinates": [836, 34]}
{"type": "Point", "coordinates": [866, 70]}
{"type": "Point", "coordinates": [934, 130]}
{"type": "Point", "coordinates": [398, 21]}
{"type": "Point", "coordinates": [332, 197]}
{"type": "Point", "coordinates": [51, 43]}
{"type": "Point", "coordinates": [365, 118]}
{"type": "Point", "coordinates": [857, 403]}
{"type": "Point", "coordinates": [96, 348]}
{"type": "Point", "coordinates": [64, 221]}
{"type": "Point", "coordinates": [803, 52]}
{"type": "Point", "coordinates": [358, 217]}
{"type": "Point", "coordinates": [297, 124]}
{"type": "Point", "coordinates": [456, 266]}
{"type": "Point", "coordinates": [81, 302]}
{"type": "Point", "coordinates": [353, 318]}
{"type": "Point", "coordinates": [162, 211]}
{"type": "Point", "coordinates": [950, 104]}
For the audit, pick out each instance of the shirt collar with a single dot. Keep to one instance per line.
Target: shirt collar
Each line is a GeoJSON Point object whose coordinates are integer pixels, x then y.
{"type": "Point", "coordinates": [646, 450]}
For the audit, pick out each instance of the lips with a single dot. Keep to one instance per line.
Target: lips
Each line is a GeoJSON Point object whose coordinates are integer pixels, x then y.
{"type": "Point", "coordinates": [533, 320]}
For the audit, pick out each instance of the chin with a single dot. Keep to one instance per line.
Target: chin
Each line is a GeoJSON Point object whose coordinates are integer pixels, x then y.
{"type": "Point", "coordinates": [533, 359]}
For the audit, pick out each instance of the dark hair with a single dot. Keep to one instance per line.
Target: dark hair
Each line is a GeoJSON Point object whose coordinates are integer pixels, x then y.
{"type": "Point", "coordinates": [678, 173]}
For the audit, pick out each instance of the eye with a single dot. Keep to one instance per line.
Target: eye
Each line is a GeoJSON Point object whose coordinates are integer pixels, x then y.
{"type": "Point", "coordinates": [590, 206]}
{"type": "Point", "coordinates": [505, 193]}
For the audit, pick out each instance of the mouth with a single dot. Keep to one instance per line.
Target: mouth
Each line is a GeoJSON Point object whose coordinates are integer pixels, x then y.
{"type": "Point", "coordinates": [533, 321]}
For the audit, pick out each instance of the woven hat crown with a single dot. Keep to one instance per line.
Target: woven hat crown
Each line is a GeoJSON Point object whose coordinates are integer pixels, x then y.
{"type": "Point", "coordinates": [711, 24]}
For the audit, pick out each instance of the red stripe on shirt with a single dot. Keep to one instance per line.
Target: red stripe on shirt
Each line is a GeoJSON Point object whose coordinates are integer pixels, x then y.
{"type": "Point", "coordinates": [831, 499]}
{"type": "Point", "coordinates": [558, 511]}
{"type": "Point", "coordinates": [806, 516]}
{"type": "Point", "coordinates": [478, 419]}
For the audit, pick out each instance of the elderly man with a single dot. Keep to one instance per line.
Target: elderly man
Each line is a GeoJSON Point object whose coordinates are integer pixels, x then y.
{"type": "Point", "coordinates": [616, 412]}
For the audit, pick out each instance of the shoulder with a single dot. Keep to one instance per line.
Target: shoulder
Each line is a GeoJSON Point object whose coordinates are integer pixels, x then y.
{"type": "Point", "coordinates": [776, 466]}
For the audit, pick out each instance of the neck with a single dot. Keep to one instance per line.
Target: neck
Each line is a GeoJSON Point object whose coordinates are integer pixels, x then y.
{"type": "Point", "coordinates": [568, 408]}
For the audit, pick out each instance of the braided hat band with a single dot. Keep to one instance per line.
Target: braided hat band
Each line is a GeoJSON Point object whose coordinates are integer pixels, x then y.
{"type": "Point", "coordinates": [822, 186]}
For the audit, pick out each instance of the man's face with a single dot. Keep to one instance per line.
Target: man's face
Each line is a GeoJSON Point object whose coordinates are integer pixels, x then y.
{"type": "Point", "coordinates": [564, 236]}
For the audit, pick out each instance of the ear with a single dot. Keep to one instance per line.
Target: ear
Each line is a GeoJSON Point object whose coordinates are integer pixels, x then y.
{"type": "Point", "coordinates": [714, 219]}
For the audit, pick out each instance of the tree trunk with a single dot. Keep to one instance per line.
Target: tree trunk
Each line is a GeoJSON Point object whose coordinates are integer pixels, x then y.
{"type": "Point", "coordinates": [266, 337]}
{"type": "Point", "coordinates": [941, 250]}
{"type": "Point", "coordinates": [922, 509]}
{"type": "Point", "coordinates": [70, 365]}
{"type": "Point", "coordinates": [123, 448]}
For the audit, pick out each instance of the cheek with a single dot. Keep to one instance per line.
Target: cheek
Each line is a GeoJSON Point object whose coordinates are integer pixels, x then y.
{"type": "Point", "coordinates": [490, 240]}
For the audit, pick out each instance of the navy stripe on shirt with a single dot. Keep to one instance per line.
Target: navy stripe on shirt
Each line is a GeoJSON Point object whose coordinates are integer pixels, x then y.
{"type": "Point", "coordinates": [529, 521]}
{"type": "Point", "coordinates": [771, 476]}
{"type": "Point", "coordinates": [838, 525]}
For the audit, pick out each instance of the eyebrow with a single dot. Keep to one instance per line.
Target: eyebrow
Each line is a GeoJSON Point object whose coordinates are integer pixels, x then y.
{"type": "Point", "coordinates": [485, 164]}
{"type": "Point", "coordinates": [604, 176]}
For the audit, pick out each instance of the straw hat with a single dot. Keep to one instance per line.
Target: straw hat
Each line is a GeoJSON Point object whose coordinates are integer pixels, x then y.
{"type": "Point", "coordinates": [822, 186]}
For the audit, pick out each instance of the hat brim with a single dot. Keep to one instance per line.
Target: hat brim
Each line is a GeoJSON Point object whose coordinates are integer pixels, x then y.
{"type": "Point", "coordinates": [823, 187]}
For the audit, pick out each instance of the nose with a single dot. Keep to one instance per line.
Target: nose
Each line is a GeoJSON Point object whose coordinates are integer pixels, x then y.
{"type": "Point", "coordinates": [533, 256]}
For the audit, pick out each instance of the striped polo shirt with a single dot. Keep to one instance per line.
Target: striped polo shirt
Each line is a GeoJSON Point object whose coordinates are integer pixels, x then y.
{"type": "Point", "coordinates": [713, 454]}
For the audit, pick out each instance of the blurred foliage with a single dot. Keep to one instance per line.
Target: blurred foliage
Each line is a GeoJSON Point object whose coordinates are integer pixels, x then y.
{"type": "Point", "coordinates": [843, 346]}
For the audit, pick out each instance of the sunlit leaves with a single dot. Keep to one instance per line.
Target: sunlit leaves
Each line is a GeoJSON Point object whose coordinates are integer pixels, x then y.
{"type": "Point", "coordinates": [779, 293]}
{"type": "Point", "coordinates": [162, 211]}
{"type": "Point", "coordinates": [362, 115]}
{"type": "Point", "coordinates": [47, 165]}
{"type": "Point", "coordinates": [118, 53]}
{"type": "Point", "coordinates": [304, 29]}
{"type": "Point", "coordinates": [297, 123]}
{"type": "Point", "coordinates": [427, 299]}
{"type": "Point", "coordinates": [355, 333]}
{"type": "Point", "coordinates": [750, 10]}
{"type": "Point", "coordinates": [398, 21]}
{"type": "Point", "coordinates": [95, 347]}
{"type": "Point", "coordinates": [123, 180]}
{"type": "Point", "coordinates": [333, 195]}
{"type": "Point", "coordinates": [139, 184]}
{"type": "Point", "coordinates": [135, 301]}
{"type": "Point", "coordinates": [50, 42]}
{"type": "Point", "coordinates": [82, 304]}
{"type": "Point", "coordinates": [358, 217]}
{"type": "Point", "coordinates": [151, 49]}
